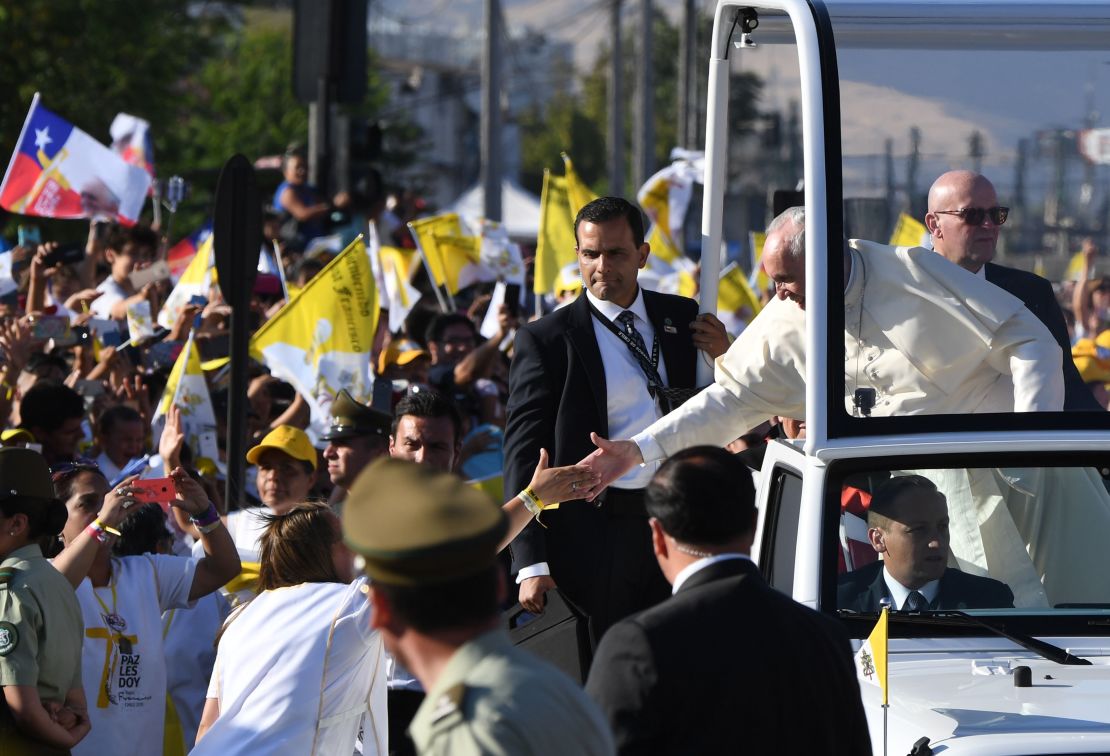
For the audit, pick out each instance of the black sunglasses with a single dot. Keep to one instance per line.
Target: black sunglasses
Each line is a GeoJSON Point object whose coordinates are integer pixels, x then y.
{"type": "Point", "coordinates": [973, 216]}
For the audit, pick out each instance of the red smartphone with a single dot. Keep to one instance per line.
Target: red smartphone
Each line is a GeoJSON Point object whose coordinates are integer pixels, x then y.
{"type": "Point", "coordinates": [159, 490]}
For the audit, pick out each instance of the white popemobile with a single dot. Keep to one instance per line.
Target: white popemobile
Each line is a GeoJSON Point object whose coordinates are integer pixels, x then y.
{"type": "Point", "coordinates": [1026, 494]}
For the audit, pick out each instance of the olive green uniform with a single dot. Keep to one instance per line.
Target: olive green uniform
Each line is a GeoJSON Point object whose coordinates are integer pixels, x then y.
{"type": "Point", "coordinates": [40, 629]}
{"type": "Point", "coordinates": [493, 698]}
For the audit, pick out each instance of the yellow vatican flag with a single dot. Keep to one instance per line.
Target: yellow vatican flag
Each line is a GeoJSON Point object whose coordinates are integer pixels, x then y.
{"type": "Point", "coordinates": [555, 242]}
{"type": "Point", "coordinates": [735, 295]}
{"type": "Point", "coordinates": [194, 281]}
{"type": "Point", "coordinates": [186, 389]}
{"type": "Point", "coordinates": [662, 246]}
{"type": "Point", "coordinates": [320, 341]}
{"type": "Point", "coordinates": [425, 231]}
{"type": "Point", "coordinates": [460, 262]}
{"type": "Point", "coordinates": [577, 192]}
{"type": "Point", "coordinates": [759, 281]}
{"type": "Point", "coordinates": [871, 658]}
{"type": "Point", "coordinates": [908, 232]}
{"type": "Point", "coordinates": [398, 266]}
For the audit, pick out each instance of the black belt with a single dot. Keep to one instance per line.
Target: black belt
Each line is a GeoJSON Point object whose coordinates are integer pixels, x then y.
{"type": "Point", "coordinates": [623, 501]}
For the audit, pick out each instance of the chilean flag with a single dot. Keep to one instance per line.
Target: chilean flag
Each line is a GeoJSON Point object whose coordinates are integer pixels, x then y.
{"type": "Point", "coordinates": [59, 171]}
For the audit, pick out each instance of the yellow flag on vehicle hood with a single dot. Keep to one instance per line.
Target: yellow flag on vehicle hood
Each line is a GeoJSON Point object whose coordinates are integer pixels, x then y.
{"type": "Point", "coordinates": [320, 341]}
{"type": "Point", "coordinates": [871, 657]}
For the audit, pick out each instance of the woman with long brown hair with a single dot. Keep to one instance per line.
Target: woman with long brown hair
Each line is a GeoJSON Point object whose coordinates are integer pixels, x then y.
{"type": "Point", "coordinates": [297, 666]}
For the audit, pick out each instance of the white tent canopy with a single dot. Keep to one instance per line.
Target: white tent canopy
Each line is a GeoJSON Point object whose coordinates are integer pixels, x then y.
{"type": "Point", "coordinates": [520, 210]}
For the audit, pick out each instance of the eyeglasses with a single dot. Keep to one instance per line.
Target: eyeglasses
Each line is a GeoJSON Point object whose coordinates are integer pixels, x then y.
{"type": "Point", "coordinates": [973, 216]}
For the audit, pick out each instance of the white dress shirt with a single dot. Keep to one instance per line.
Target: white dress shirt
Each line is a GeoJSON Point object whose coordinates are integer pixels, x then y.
{"type": "Point", "coordinates": [899, 593]}
{"type": "Point", "coordinates": [701, 564]}
{"type": "Point", "coordinates": [629, 406]}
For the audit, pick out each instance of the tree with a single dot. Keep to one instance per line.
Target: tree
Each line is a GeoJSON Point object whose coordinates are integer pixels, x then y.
{"type": "Point", "coordinates": [578, 124]}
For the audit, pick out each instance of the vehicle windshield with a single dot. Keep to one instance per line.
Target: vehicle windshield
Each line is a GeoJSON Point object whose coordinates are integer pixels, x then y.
{"type": "Point", "coordinates": [1012, 91]}
{"type": "Point", "coordinates": [1005, 539]}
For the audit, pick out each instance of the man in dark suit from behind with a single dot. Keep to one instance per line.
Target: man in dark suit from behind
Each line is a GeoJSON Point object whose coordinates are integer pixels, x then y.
{"type": "Point", "coordinates": [955, 201]}
{"type": "Point", "coordinates": [727, 664]}
{"type": "Point", "coordinates": [907, 523]}
{"type": "Point", "coordinates": [572, 375]}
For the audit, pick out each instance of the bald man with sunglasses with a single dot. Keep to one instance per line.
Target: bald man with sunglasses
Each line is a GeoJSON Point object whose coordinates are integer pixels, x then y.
{"type": "Point", "coordinates": [964, 220]}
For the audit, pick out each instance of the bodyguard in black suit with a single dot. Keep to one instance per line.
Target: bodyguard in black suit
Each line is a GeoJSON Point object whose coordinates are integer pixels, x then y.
{"type": "Point", "coordinates": [573, 374]}
{"type": "Point", "coordinates": [728, 664]}
{"type": "Point", "coordinates": [907, 523]}
{"type": "Point", "coordinates": [964, 220]}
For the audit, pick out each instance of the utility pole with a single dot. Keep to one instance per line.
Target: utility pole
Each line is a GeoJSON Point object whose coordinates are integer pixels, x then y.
{"type": "Point", "coordinates": [976, 151]}
{"type": "Point", "coordinates": [616, 109]}
{"type": "Point", "coordinates": [888, 170]}
{"type": "Point", "coordinates": [911, 170]}
{"type": "Point", "coordinates": [491, 113]}
{"type": "Point", "coordinates": [644, 136]}
{"type": "Point", "coordinates": [687, 87]}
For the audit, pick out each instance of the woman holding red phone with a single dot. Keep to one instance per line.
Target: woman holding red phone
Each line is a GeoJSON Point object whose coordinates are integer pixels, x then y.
{"type": "Point", "coordinates": [122, 600]}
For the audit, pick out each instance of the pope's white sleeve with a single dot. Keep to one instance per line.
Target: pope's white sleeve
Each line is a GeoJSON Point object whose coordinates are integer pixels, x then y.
{"type": "Point", "coordinates": [762, 374]}
{"type": "Point", "coordinates": [1025, 349]}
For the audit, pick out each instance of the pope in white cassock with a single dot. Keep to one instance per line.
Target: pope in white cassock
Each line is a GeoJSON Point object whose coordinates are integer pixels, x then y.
{"type": "Point", "coordinates": [929, 338]}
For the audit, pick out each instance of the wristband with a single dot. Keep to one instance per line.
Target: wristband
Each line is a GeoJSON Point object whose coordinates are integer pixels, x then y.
{"type": "Point", "coordinates": [100, 531]}
{"type": "Point", "coordinates": [206, 529]}
{"type": "Point", "coordinates": [532, 503]}
{"type": "Point", "coordinates": [208, 518]}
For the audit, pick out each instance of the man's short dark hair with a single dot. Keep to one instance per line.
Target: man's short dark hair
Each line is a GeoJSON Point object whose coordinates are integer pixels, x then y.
{"type": "Point", "coordinates": [885, 499]}
{"type": "Point", "coordinates": [113, 416]}
{"type": "Point", "coordinates": [427, 403]}
{"type": "Point", "coordinates": [48, 405]}
{"type": "Point", "coordinates": [702, 496]}
{"type": "Point", "coordinates": [441, 323]}
{"type": "Point", "coordinates": [138, 236]}
{"type": "Point", "coordinates": [440, 606]}
{"type": "Point", "coordinates": [605, 209]}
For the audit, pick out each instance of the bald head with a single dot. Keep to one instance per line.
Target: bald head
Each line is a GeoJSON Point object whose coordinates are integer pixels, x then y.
{"type": "Point", "coordinates": [969, 246]}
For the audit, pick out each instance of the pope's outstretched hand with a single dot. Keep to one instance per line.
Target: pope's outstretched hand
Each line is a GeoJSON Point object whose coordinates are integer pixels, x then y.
{"type": "Point", "coordinates": [611, 460]}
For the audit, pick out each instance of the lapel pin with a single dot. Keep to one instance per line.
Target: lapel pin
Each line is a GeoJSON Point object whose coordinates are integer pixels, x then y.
{"type": "Point", "coordinates": [667, 327]}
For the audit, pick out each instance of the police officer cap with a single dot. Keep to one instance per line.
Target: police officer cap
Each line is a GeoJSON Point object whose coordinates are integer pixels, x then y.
{"type": "Point", "coordinates": [24, 474]}
{"type": "Point", "coordinates": [416, 526]}
{"type": "Point", "coordinates": [350, 419]}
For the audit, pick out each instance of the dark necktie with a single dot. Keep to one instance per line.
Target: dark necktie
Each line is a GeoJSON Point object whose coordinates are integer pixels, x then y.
{"type": "Point", "coordinates": [626, 319]}
{"type": "Point", "coordinates": [669, 397]}
{"type": "Point", "coordinates": [915, 602]}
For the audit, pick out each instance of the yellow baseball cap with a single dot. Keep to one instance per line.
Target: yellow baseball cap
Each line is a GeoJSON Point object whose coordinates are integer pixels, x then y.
{"type": "Point", "coordinates": [400, 352]}
{"type": "Point", "coordinates": [288, 439]}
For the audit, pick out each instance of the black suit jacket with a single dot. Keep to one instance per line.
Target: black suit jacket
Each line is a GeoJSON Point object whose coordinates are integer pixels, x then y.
{"type": "Point", "coordinates": [1037, 295]}
{"type": "Point", "coordinates": [864, 589]}
{"type": "Point", "coordinates": [729, 665]}
{"type": "Point", "coordinates": [557, 396]}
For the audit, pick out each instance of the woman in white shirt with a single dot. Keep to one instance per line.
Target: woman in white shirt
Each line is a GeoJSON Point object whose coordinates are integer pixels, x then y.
{"type": "Point", "coordinates": [298, 667]}
{"type": "Point", "coordinates": [122, 599]}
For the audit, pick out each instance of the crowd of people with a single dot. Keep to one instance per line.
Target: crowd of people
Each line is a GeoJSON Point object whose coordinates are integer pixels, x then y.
{"type": "Point", "coordinates": [351, 601]}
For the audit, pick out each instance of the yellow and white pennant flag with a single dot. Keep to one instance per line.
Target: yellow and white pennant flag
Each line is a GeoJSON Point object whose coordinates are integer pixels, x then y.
{"type": "Point", "coordinates": [871, 658]}
{"type": "Point", "coordinates": [187, 390]}
{"type": "Point", "coordinates": [195, 280]}
{"type": "Point", "coordinates": [320, 341]}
